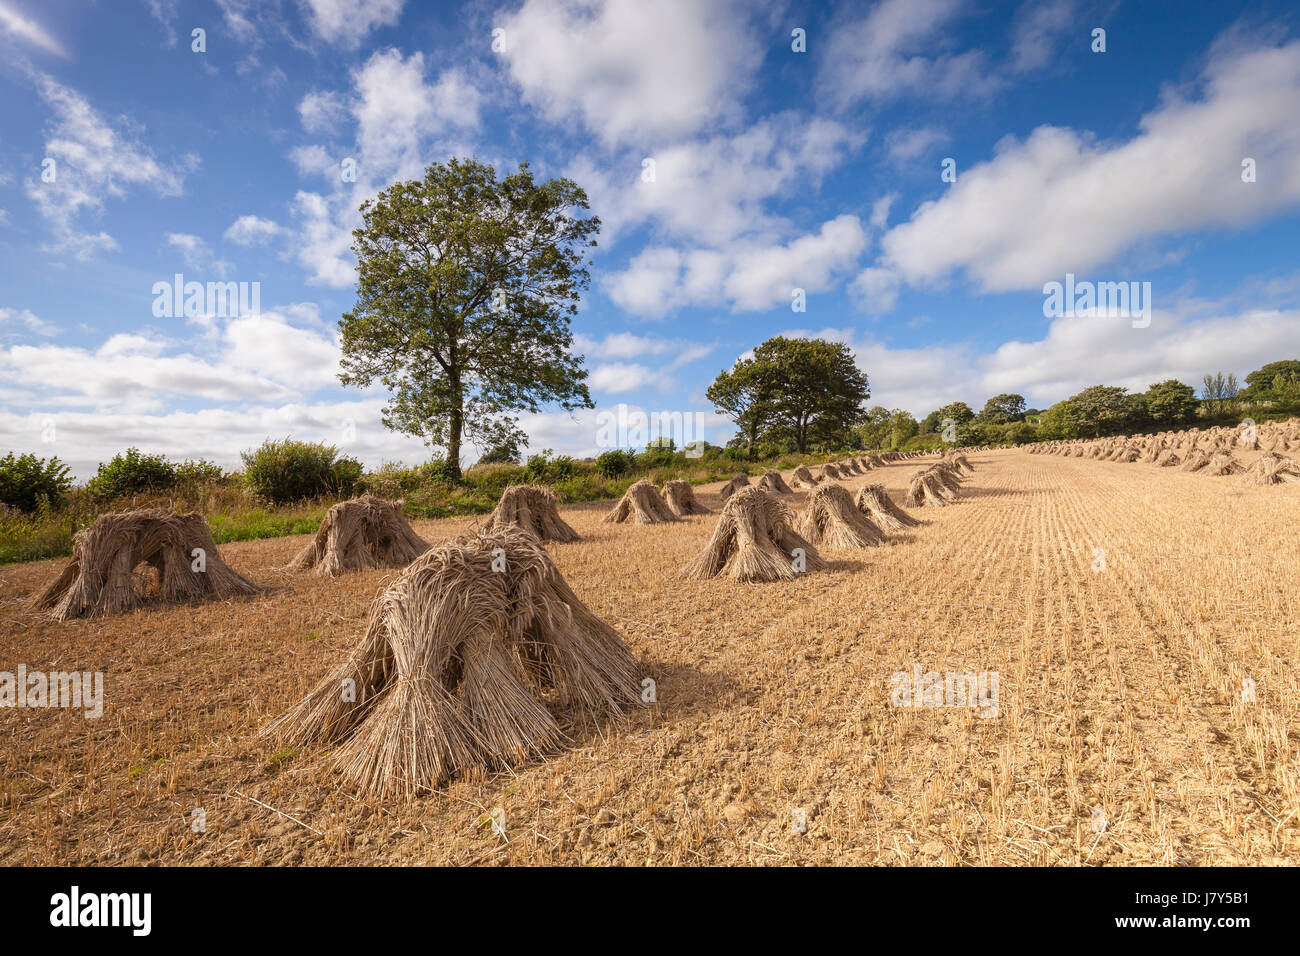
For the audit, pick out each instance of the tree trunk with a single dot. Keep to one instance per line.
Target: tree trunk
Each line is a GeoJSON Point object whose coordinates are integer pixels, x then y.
{"type": "Point", "coordinates": [455, 426]}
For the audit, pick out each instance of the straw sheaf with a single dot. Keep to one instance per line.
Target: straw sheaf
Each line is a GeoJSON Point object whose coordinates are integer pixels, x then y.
{"type": "Point", "coordinates": [834, 521]}
{"type": "Point", "coordinates": [533, 508]}
{"type": "Point", "coordinates": [641, 504]}
{"type": "Point", "coordinates": [754, 541]}
{"type": "Point", "coordinates": [366, 532]}
{"type": "Point", "coordinates": [100, 577]}
{"type": "Point", "coordinates": [453, 664]}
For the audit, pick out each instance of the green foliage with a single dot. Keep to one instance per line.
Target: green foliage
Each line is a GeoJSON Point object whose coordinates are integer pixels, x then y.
{"type": "Point", "coordinates": [958, 412]}
{"type": "Point", "coordinates": [132, 473]}
{"type": "Point", "coordinates": [287, 470]}
{"type": "Point", "coordinates": [805, 391]}
{"type": "Point", "coordinates": [26, 481]}
{"type": "Point", "coordinates": [1098, 410]}
{"type": "Point", "coordinates": [657, 454]}
{"type": "Point", "coordinates": [1170, 404]}
{"type": "Point", "coordinates": [467, 284]}
{"type": "Point", "coordinates": [615, 463]}
{"type": "Point", "coordinates": [547, 467]}
{"type": "Point", "coordinates": [198, 472]}
{"type": "Point", "coordinates": [1000, 409]}
{"type": "Point", "coordinates": [507, 453]}
{"type": "Point", "coordinates": [1260, 382]}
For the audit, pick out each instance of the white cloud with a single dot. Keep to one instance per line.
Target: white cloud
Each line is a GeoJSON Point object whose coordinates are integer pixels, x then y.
{"type": "Point", "coordinates": [91, 161]}
{"type": "Point", "coordinates": [908, 145]}
{"type": "Point", "coordinates": [26, 319]}
{"type": "Point", "coordinates": [23, 28]}
{"type": "Point", "coordinates": [1060, 202]}
{"type": "Point", "coordinates": [1076, 352]}
{"type": "Point", "coordinates": [888, 53]}
{"type": "Point", "coordinates": [348, 22]}
{"type": "Point", "coordinates": [403, 123]}
{"type": "Point", "coordinates": [714, 189]}
{"type": "Point", "coordinates": [251, 231]}
{"type": "Point", "coordinates": [632, 71]}
{"type": "Point", "coordinates": [1038, 31]}
{"type": "Point", "coordinates": [745, 276]}
{"type": "Point", "coordinates": [322, 111]}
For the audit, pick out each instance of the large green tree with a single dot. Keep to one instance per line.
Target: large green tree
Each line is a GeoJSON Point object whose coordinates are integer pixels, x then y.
{"type": "Point", "coordinates": [1170, 403]}
{"type": "Point", "coordinates": [466, 287]}
{"type": "Point", "coordinates": [812, 386]}
{"type": "Point", "coordinates": [741, 394]}
{"type": "Point", "coordinates": [1000, 409]}
{"type": "Point", "coordinates": [1098, 410]}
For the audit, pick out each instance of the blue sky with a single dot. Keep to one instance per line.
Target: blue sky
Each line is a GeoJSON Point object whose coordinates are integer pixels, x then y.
{"type": "Point", "coordinates": [775, 170]}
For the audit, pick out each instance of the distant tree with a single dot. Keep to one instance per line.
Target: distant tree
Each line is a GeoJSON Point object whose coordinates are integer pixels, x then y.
{"type": "Point", "coordinates": [466, 286]}
{"type": "Point", "coordinates": [902, 426]}
{"type": "Point", "coordinates": [1171, 404]}
{"type": "Point", "coordinates": [509, 452]}
{"type": "Point", "coordinates": [959, 412]}
{"type": "Point", "coordinates": [1220, 391]}
{"type": "Point", "coordinates": [809, 386]}
{"type": "Point", "coordinates": [741, 394]}
{"type": "Point", "coordinates": [873, 430]}
{"type": "Point", "coordinates": [1261, 380]}
{"type": "Point", "coordinates": [1004, 408]}
{"type": "Point", "coordinates": [1098, 410]}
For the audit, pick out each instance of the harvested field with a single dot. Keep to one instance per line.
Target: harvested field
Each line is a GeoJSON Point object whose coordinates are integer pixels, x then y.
{"type": "Point", "coordinates": [1141, 622]}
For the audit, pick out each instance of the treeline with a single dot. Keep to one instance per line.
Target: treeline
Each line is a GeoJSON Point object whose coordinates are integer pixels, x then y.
{"type": "Point", "coordinates": [807, 395]}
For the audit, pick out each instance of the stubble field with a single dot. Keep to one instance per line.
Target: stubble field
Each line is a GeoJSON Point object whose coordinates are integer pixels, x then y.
{"type": "Point", "coordinates": [1147, 708]}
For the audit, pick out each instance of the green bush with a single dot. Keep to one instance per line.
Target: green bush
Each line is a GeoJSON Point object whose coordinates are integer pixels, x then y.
{"type": "Point", "coordinates": [198, 472]}
{"type": "Point", "coordinates": [288, 470]}
{"type": "Point", "coordinates": [27, 480]}
{"type": "Point", "coordinates": [132, 473]}
{"type": "Point", "coordinates": [614, 463]}
{"type": "Point", "coordinates": [547, 469]}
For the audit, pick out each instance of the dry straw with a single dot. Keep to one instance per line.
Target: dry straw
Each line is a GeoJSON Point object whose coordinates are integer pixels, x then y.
{"type": "Point", "coordinates": [803, 478]}
{"type": "Point", "coordinates": [100, 578]}
{"type": "Point", "coordinates": [735, 484]}
{"type": "Point", "coordinates": [533, 508]}
{"type": "Point", "coordinates": [925, 489]}
{"type": "Point", "coordinates": [641, 504]}
{"type": "Point", "coordinates": [681, 498]}
{"type": "Point", "coordinates": [875, 503]}
{"type": "Point", "coordinates": [1223, 464]}
{"type": "Point", "coordinates": [366, 532]}
{"type": "Point", "coordinates": [1272, 469]}
{"type": "Point", "coordinates": [773, 482]}
{"type": "Point", "coordinates": [831, 471]}
{"type": "Point", "coordinates": [468, 659]}
{"type": "Point", "coordinates": [834, 521]}
{"type": "Point", "coordinates": [754, 541]}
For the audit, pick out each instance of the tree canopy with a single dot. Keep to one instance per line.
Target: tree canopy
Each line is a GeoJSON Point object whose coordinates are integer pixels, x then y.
{"type": "Point", "coordinates": [466, 287]}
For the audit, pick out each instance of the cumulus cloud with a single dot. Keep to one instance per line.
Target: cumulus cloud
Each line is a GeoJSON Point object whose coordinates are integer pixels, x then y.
{"type": "Point", "coordinates": [90, 160]}
{"type": "Point", "coordinates": [403, 122]}
{"type": "Point", "coordinates": [251, 231]}
{"type": "Point", "coordinates": [1061, 202]}
{"type": "Point", "coordinates": [348, 22]}
{"type": "Point", "coordinates": [632, 71]}
{"type": "Point", "coordinates": [743, 276]}
{"type": "Point", "coordinates": [890, 52]}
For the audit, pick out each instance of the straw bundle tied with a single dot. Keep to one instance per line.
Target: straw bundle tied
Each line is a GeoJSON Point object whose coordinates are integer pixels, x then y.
{"type": "Point", "coordinates": [875, 503]}
{"type": "Point", "coordinates": [100, 577]}
{"type": "Point", "coordinates": [468, 658]}
{"type": "Point", "coordinates": [754, 541]}
{"type": "Point", "coordinates": [803, 478]}
{"type": "Point", "coordinates": [735, 484]}
{"type": "Point", "coordinates": [1272, 469]}
{"type": "Point", "coordinates": [641, 504]}
{"type": "Point", "coordinates": [834, 521]}
{"type": "Point", "coordinates": [366, 532]}
{"type": "Point", "coordinates": [773, 483]}
{"type": "Point", "coordinates": [533, 508]}
{"type": "Point", "coordinates": [681, 498]}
